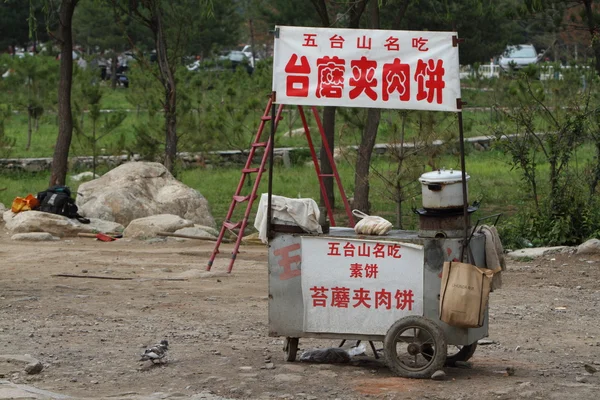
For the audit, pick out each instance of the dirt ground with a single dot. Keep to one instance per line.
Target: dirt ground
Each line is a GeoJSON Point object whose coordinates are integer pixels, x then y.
{"type": "Point", "coordinates": [90, 332]}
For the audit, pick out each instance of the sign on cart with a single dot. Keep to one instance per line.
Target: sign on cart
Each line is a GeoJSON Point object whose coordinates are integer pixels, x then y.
{"type": "Point", "coordinates": [366, 68]}
{"type": "Point", "coordinates": [359, 286]}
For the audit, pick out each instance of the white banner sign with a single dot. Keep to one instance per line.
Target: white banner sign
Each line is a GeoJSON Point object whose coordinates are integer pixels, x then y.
{"type": "Point", "coordinates": [366, 68]}
{"type": "Point", "coordinates": [359, 286]}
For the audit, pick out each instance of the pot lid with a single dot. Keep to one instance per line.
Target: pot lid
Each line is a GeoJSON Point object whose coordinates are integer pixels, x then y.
{"type": "Point", "coordinates": [442, 176]}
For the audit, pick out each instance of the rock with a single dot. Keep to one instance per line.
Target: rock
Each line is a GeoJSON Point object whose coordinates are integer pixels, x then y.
{"type": "Point", "coordinates": [34, 368]}
{"type": "Point", "coordinates": [8, 215]}
{"type": "Point", "coordinates": [57, 225]}
{"type": "Point", "coordinates": [269, 365]}
{"type": "Point", "coordinates": [589, 368]}
{"type": "Point", "coordinates": [141, 189]}
{"type": "Point", "coordinates": [3, 208]}
{"type": "Point", "coordinates": [196, 231]}
{"type": "Point", "coordinates": [149, 226]}
{"type": "Point", "coordinates": [591, 246]}
{"type": "Point", "coordinates": [484, 342]}
{"type": "Point", "coordinates": [535, 252]}
{"type": "Point", "coordinates": [438, 375]}
{"type": "Point", "coordinates": [13, 363]}
{"type": "Point", "coordinates": [34, 237]}
{"type": "Point", "coordinates": [581, 379]}
{"type": "Point", "coordinates": [84, 176]}
{"type": "Point", "coordinates": [99, 225]}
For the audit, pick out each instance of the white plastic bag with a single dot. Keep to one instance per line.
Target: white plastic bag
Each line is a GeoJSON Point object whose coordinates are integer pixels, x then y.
{"type": "Point", "coordinates": [371, 224]}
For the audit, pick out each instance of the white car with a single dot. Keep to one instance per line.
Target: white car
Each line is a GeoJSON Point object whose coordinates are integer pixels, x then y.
{"type": "Point", "coordinates": [519, 56]}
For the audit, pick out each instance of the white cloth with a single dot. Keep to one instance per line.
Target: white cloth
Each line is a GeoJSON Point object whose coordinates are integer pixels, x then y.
{"type": "Point", "coordinates": [302, 212]}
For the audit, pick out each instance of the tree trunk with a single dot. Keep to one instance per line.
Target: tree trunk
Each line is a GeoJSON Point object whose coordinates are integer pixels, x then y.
{"type": "Point", "coordinates": [363, 161]}
{"type": "Point", "coordinates": [329, 128]}
{"type": "Point", "coordinates": [367, 142]}
{"type": "Point", "coordinates": [593, 29]}
{"type": "Point", "coordinates": [60, 159]}
{"type": "Point", "coordinates": [29, 128]}
{"type": "Point", "coordinates": [167, 78]}
{"type": "Point", "coordinates": [113, 71]}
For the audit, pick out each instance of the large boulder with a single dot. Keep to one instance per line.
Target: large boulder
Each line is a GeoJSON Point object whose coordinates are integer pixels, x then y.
{"type": "Point", "coordinates": [149, 226]}
{"type": "Point", "coordinates": [591, 246]}
{"type": "Point", "coordinates": [141, 189]}
{"type": "Point", "coordinates": [57, 225]}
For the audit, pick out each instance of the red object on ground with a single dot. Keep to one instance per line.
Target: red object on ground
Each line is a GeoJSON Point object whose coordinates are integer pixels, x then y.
{"type": "Point", "coordinates": [105, 238]}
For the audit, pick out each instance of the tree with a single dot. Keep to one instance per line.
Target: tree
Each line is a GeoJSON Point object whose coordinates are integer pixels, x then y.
{"type": "Point", "coordinates": [89, 96]}
{"type": "Point", "coordinates": [354, 10]}
{"type": "Point", "coordinates": [94, 27]}
{"type": "Point", "coordinates": [580, 14]}
{"type": "Point", "coordinates": [61, 15]}
{"type": "Point", "coordinates": [171, 23]}
{"type": "Point", "coordinates": [14, 29]}
{"type": "Point", "coordinates": [34, 77]}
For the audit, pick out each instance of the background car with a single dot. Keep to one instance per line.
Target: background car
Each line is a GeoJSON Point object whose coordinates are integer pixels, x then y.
{"type": "Point", "coordinates": [519, 56]}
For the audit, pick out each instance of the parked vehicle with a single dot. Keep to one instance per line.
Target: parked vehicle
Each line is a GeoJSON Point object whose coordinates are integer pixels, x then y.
{"type": "Point", "coordinates": [519, 56]}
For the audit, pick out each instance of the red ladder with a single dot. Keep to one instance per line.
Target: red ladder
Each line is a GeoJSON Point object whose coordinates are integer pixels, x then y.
{"type": "Point", "coordinates": [238, 197]}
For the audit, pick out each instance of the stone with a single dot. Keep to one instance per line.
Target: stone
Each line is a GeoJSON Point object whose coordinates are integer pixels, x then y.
{"type": "Point", "coordinates": [535, 252]}
{"type": "Point", "coordinates": [99, 225]}
{"type": "Point", "coordinates": [8, 215]}
{"type": "Point", "coordinates": [57, 225]}
{"type": "Point", "coordinates": [141, 189]}
{"type": "Point", "coordinates": [269, 365]}
{"type": "Point", "coordinates": [438, 375]}
{"type": "Point", "coordinates": [484, 342]}
{"type": "Point", "coordinates": [3, 208]}
{"type": "Point", "coordinates": [581, 379]}
{"type": "Point", "coordinates": [149, 226]}
{"type": "Point", "coordinates": [591, 246]}
{"type": "Point", "coordinates": [14, 363]}
{"type": "Point", "coordinates": [590, 369]}
{"type": "Point", "coordinates": [34, 368]}
{"type": "Point", "coordinates": [34, 237]}
{"type": "Point", "coordinates": [196, 231]}
{"type": "Point", "coordinates": [84, 176]}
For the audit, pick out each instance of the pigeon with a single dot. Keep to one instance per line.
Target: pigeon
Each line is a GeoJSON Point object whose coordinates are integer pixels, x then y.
{"type": "Point", "coordinates": [156, 352]}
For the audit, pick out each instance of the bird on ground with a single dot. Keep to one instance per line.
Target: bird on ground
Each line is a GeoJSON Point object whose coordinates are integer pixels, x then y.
{"type": "Point", "coordinates": [156, 353]}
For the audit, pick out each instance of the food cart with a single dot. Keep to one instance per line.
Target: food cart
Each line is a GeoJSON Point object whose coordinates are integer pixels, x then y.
{"type": "Point", "coordinates": [342, 285]}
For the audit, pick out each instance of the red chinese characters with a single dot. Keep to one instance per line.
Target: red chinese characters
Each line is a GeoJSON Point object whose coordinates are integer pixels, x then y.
{"type": "Point", "coordinates": [396, 79]}
{"type": "Point", "coordinates": [363, 80]}
{"type": "Point", "coordinates": [420, 43]}
{"type": "Point", "coordinates": [330, 77]}
{"type": "Point", "coordinates": [297, 80]}
{"type": "Point", "coordinates": [334, 249]}
{"type": "Point", "coordinates": [430, 80]}
{"type": "Point", "coordinates": [392, 44]}
{"type": "Point", "coordinates": [309, 40]}
{"type": "Point", "coordinates": [286, 261]}
{"type": "Point", "coordinates": [336, 42]}
{"type": "Point", "coordinates": [340, 297]}
{"type": "Point", "coordinates": [319, 296]}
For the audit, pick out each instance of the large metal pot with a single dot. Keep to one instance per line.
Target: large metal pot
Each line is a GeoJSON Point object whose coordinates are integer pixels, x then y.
{"type": "Point", "coordinates": [442, 189]}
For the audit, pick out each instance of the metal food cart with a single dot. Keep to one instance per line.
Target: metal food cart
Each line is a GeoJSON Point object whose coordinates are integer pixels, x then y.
{"type": "Point", "coordinates": [341, 285]}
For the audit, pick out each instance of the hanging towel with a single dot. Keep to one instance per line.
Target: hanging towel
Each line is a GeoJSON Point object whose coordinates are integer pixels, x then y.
{"type": "Point", "coordinates": [494, 253]}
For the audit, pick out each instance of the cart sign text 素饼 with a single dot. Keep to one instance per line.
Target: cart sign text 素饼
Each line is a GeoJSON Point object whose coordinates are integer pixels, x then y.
{"type": "Point", "coordinates": [366, 68]}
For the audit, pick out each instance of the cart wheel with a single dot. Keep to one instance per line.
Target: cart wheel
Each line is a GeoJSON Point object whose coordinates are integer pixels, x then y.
{"type": "Point", "coordinates": [290, 348]}
{"type": "Point", "coordinates": [404, 344]}
{"type": "Point", "coordinates": [455, 353]}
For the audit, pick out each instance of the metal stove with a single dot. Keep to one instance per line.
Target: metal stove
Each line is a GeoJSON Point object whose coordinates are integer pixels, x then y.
{"type": "Point", "coordinates": [443, 223]}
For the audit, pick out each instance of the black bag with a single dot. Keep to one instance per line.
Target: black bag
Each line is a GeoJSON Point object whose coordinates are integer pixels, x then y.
{"type": "Point", "coordinates": [58, 200]}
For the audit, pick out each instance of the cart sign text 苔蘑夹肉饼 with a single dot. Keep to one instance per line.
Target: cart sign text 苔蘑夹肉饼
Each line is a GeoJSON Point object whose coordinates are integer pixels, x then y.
{"type": "Point", "coordinates": [366, 68]}
{"type": "Point", "coordinates": [350, 282]}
